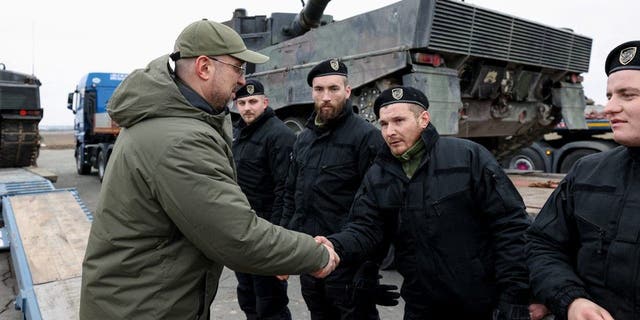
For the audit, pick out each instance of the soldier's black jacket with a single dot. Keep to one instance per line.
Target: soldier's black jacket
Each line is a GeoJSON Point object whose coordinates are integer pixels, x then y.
{"type": "Point", "coordinates": [328, 164]}
{"type": "Point", "coordinates": [585, 241]}
{"type": "Point", "coordinates": [261, 152]}
{"type": "Point", "coordinates": [457, 226]}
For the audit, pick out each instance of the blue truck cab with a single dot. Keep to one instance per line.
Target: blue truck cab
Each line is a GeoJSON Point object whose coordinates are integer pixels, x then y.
{"type": "Point", "coordinates": [94, 131]}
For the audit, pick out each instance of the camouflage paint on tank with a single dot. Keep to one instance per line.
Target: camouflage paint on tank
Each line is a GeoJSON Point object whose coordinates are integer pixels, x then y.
{"type": "Point", "coordinates": [503, 81]}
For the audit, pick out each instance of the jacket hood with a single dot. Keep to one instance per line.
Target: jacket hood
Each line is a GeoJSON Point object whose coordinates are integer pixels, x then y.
{"type": "Point", "coordinates": [153, 93]}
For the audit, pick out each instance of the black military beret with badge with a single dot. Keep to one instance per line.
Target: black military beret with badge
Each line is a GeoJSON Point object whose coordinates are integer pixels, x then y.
{"type": "Point", "coordinates": [400, 95]}
{"type": "Point", "coordinates": [623, 57]}
{"type": "Point", "coordinates": [252, 88]}
{"type": "Point", "coordinates": [327, 68]}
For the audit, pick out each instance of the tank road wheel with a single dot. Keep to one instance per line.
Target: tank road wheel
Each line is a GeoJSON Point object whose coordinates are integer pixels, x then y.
{"type": "Point", "coordinates": [102, 164]}
{"type": "Point", "coordinates": [364, 103]}
{"type": "Point", "coordinates": [81, 167]}
{"type": "Point", "coordinates": [296, 124]}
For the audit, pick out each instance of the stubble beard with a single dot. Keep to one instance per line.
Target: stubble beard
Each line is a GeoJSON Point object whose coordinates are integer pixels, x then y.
{"type": "Point", "coordinates": [248, 118]}
{"type": "Point", "coordinates": [325, 115]}
{"type": "Point", "coordinates": [220, 101]}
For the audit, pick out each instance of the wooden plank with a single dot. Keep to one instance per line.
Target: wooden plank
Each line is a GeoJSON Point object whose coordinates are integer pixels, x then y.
{"type": "Point", "coordinates": [54, 232]}
{"type": "Point", "coordinates": [534, 198]}
{"type": "Point", "coordinates": [59, 299]}
{"type": "Point", "coordinates": [535, 188]}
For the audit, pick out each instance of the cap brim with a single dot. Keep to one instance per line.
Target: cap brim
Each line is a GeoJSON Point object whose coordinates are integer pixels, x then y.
{"type": "Point", "coordinates": [250, 56]}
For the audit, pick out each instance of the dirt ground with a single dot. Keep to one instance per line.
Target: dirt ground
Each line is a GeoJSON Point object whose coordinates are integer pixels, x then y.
{"type": "Point", "coordinates": [57, 140]}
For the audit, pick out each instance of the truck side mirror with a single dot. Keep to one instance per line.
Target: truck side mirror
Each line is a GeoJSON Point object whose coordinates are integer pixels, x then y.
{"type": "Point", "coordinates": [70, 102]}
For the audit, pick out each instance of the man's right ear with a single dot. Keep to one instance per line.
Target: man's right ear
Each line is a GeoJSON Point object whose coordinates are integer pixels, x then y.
{"type": "Point", "coordinates": [203, 67]}
{"type": "Point", "coordinates": [425, 118]}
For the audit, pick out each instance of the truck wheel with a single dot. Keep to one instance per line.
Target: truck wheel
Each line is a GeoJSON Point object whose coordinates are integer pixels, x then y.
{"type": "Point", "coordinates": [570, 159]}
{"type": "Point", "coordinates": [526, 159]}
{"type": "Point", "coordinates": [81, 167]}
{"type": "Point", "coordinates": [296, 124]}
{"type": "Point", "coordinates": [102, 164]}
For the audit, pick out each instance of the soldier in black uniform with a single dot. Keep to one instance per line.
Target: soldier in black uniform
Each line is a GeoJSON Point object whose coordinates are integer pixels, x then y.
{"type": "Point", "coordinates": [329, 159]}
{"type": "Point", "coordinates": [454, 217]}
{"type": "Point", "coordinates": [584, 247]}
{"type": "Point", "coordinates": [261, 148]}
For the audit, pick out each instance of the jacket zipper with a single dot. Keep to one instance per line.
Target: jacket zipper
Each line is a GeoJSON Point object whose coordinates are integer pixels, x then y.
{"type": "Point", "coordinates": [601, 232]}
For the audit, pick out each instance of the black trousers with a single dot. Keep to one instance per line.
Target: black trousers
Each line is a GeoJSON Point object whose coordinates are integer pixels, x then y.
{"type": "Point", "coordinates": [422, 312]}
{"type": "Point", "coordinates": [329, 300]}
{"type": "Point", "coordinates": [262, 297]}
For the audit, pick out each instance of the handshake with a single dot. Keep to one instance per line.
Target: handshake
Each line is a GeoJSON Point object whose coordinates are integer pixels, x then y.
{"type": "Point", "coordinates": [334, 259]}
{"type": "Point", "coordinates": [331, 265]}
{"type": "Point", "coordinates": [367, 289]}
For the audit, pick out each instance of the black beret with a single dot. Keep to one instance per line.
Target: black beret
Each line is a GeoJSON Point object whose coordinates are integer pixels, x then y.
{"type": "Point", "coordinates": [327, 68]}
{"type": "Point", "coordinates": [400, 95]}
{"type": "Point", "coordinates": [252, 88]}
{"type": "Point", "coordinates": [623, 57]}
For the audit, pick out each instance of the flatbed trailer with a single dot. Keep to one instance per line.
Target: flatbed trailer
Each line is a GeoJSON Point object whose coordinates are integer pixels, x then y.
{"type": "Point", "coordinates": [48, 234]}
{"type": "Point", "coordinates": [46, 231]}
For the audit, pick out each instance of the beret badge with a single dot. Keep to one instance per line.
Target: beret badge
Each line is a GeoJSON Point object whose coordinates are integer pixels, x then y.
{"type": "Point", "coordinates": [250, 89]}
{"type": "Point", "coordinates": [626, 55]}
{"type": "Point", "coordinates": [397, 93]}
{"type": "Point", "coordinates": [334, 64]}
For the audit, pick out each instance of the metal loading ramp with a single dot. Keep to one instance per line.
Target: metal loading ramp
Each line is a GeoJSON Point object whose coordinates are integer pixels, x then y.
{"type": "Point", "coordinates": [48, 233]}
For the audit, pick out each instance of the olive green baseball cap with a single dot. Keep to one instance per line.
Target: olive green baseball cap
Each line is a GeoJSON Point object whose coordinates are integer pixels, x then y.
{"type": "Point", "coordinates": [210, 38]}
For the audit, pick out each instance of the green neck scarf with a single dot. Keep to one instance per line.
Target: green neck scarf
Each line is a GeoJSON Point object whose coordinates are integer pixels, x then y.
{"type": "Point", "coordinates": [411, 158]}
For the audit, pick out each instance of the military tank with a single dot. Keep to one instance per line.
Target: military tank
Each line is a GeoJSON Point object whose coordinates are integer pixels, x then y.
{"type": "Point", "coordinates": [494, 78]}
{"type": "Point", "coordinates": [20, 114]}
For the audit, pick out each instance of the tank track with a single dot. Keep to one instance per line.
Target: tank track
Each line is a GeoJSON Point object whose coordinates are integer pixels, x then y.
{"type": "Point", "coordinates": [19, 142]}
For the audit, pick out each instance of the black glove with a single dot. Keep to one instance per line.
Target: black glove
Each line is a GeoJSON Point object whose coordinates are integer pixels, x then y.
{"type": "Point", "coordinates": [367, 288]}
{"type": "Point", "coordinates": [507, 311]}
{"type": "Point", "coordinates": [387, 294]}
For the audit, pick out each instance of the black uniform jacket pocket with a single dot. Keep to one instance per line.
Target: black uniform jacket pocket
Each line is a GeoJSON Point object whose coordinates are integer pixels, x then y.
{"type": "Point", "coordinates": [594, 215]}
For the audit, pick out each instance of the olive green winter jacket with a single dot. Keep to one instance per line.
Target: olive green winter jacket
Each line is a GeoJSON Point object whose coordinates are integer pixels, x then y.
{"type": "Point", "coordinates": [170, 213]}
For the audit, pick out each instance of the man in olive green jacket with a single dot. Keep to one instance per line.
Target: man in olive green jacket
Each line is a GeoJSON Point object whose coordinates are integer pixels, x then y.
{"type": "Point", "coordinates": [170, 213]}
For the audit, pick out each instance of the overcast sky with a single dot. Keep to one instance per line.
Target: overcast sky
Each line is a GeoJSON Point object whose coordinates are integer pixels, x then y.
{"type": "Point", "coordinates": [61, 40]}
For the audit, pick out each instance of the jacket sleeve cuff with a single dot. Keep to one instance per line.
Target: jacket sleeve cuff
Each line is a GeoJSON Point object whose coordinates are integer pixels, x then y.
{"type": "Point", "coordinates": [325, 258]}
{"type": "Point", "coordinates": [564, 298]}
{"type": "Point", "coordinates": [337, 247]}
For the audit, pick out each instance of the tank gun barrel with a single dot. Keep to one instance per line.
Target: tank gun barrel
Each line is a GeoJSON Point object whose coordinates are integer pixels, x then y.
{"type": "Point", "coordinates": [308, 18]}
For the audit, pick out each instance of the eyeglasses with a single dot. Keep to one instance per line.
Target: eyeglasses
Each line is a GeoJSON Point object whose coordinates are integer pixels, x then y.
{"type": "Point", "coordinates": [241, 69]}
